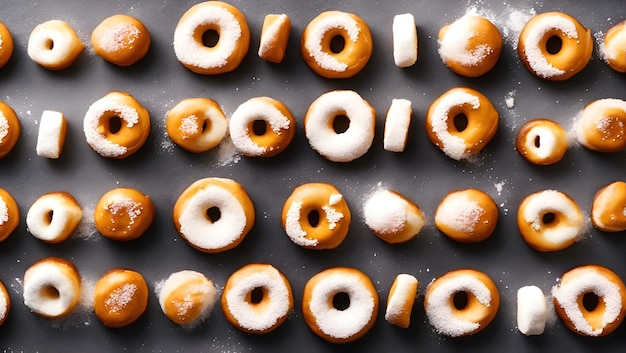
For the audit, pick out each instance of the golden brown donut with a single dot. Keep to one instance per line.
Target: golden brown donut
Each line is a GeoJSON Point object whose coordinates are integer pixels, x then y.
{"type": "Point", "coordinates": [5, 303]}
{"type": "Point", "coordinates": [400, 301]}
{"type": "Point", "coordinates": [601, 126]}
{"type": "Point", "coordinates": [542, 141]}
{"type": "Point", "coordinates": [9, 214]}
{"type": "Point", "coordinates": [608, 212]}
{"type": "Point", "coordinates": [6, 45]}
{"type": "Point", "coordinates": [196, 124]}
{"type": "Point", "coordinates": [121, 297]}
{"type": "Point", "coordinates": [614, 47]}
{"type": "Point", "coordinates": [52, 287]}
{"type": "Point", "coordinates": [274, 38]}
{"type": "Point", "coordinates": [393, 217]}
{"type": "Point", "coordinates": [187, 297]}
{"type": "Point", "coordinates": [54, 45]}
{"type": "Point", "coordinates": [123, 214]}
{"type": "Point", "coordinates": [54, 217]}
{"type": "Point", "coordinates": [9, 129]}
{"type": "Point", "coordinates": [467, 216]}
{"type": "Point", "coordinates": [121, 40]}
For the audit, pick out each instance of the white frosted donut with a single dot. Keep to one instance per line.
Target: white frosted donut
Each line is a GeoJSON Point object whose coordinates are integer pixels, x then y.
{"type": "Point", "coordinates": [401, 298]}
{"type": "Point", "coordinates": [53, 217]}
{"type": "Point", "coordinates": [392, 217]}
{"type": "Point", "coordinates": [532, 311]}
{"type": "Point", "coordinates": [323, 137]}
{"type": "Point", "coordinates": [542, 141]}
{"type": "Point", "coordinates": [54, 45]}
{"type": "Point", "coordinates": [404, 34]}
{"type": "Point", "coordinates": [52, 287]}
{"type": "Point", "coordinates": [187, 297]}
{"type": "Point", "coordinates": [397, 123]}
{"type": "Point", "coordinates": [52, 132]}
{"type": "Point", "coordinates": [602, 125]}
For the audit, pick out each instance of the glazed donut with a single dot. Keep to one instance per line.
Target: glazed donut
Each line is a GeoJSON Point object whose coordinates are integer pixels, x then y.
{"type": "Point", "coordinates": [404, 39]}
{"type": "Point", "coordinates": [601, 126]}
{"type": "Point", "coordinates": [461, 302]}
{"type": "Point", "coordinates": [397, 122]}
{"type": "Point", "coordinates": [318, 49]}
{"type": "Point", "coordinates": [187, 297]}
{"type": "Point", "coordinates": [52, 133]}
{"type": "Point", "coordinates": [326, 112]}
{"type": "Point", "coordinates": [257, 298]}
{"type": "Point", "coordinates": [393, 217]}
{"type": "Point", "coordinates": [9, 129]}
{"type": "Point", "coordinates": [470, 46]}
{"type": "Point", "coordinates": [261, 127]}
{"type": "Point", "coordinates": [461, 122]}
{"type": "Point", "coordinates": [213, 214]}
{"type": "Point", "coordinates": [54, 45]}
{"type": "Point", "coordinates": [316, 216]}
{"type": "Point", "coordinates": [572, 51]}
{"type": "Point", "coordinates": [52, 287]}
{"type": "Point", "coordinates": [54, 217]}
{"type": "Point", "coordinates": [614, 47]}
{"type": "Point", "coordinates": [401, 299]}
{"type": "Point", "coordinates": [608, 212]}
{"type": "Point", "coordinates": [116, 125]}
{"type": "Point", "coordinates": [209, 17]}
{"type": "Point", "coordinates": [467, 216]}
{"type": "Point", "coordinates": [196, 124]}
{"type": "Point", "coordinates": [532, 311]}
{"type": "Point", "coordinates": [121, 297]}
{"type": "Point", "coordinates": [542, 142]}
{"type": "Point", "coordinates": [597, 317]}
{"type": "Point", "coordinates": [5, 303]}
{"type": "Point", "coordinates": [123, 214]}
{"type": "Point", "coordinates": [121, 40]}
{"type": "Point", "coordinates": [340, 304]}
{"type": "Point", "coordinates": [274, 38]}
{"type": "Point", "coordinates": [6, 45]}
{"type": "Point", "coordinates": [9, 214]}
{"type": "Point", "coordinates": [550, 220]}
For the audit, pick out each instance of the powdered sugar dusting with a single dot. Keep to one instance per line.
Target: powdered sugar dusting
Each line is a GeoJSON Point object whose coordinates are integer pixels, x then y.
{"type": "Point", "coordinates": [4, 212]}
{"type": "Point", "coordinates": [294, 229]}
{"type": "Point", "coordinates": [125, 205]}
{"type": "Point", "coordinates": [385, 212]}
{"type": "Point", "coordinates": [96, 139]}
{"type": "Point", "coordinates": [313, 42]}
{"type": "Point", "coordinates": [460, 213]}
{"type": "Point", "coordinates": [120, 297]}
{"type": "Point", "coordinates": [189, 126]}
{"type": "Point", "coordinates": [4, 306]}
{"type": "Point", "coordinates": [454, 44]}
{"type": "Point", "coordinates": [333, 216]}
{"type": "Point", "coordinates": [4, 127]}
{"type": "Point", "coordinates": [552, 201]}
{"type": "Point", "coordinates": [268, 37]}
{"type": "Point", "coordinates": [120, 36]}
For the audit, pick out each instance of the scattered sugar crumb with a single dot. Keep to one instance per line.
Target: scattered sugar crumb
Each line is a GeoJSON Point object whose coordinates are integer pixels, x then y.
{"type": "Point", "coordinates": [227, 153]}
{"type": "Point", "coordinates": [509, 99]}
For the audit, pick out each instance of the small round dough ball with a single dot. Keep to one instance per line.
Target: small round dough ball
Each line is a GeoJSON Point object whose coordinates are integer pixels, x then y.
{"type": "Point", "coordinates": [121, 40]}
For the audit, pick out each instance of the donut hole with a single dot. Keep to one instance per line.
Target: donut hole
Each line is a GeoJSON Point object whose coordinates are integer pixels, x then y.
{"type": "Point", "coordinates": [337, 44]}
{"type": "Point", "coordinates": [548, 218]}
{"type": "Point", "coordinates": [537, 141]}
{"type": "Point", "coordinates": [259, 127]}
{"type": "Point", "coordinates": [460, 122]}
{"type": "Point", "coordinates": [554, 45]}
{"type": "Point", "coordinates": [213, 214]}
{"type": "Point", "coordinates": [50, 292]}
{"type": "Point", "coordinates": [47, 217]}
{"type": "Point", "coordinates": [314, 218]}
{"type": "Point", "coordinates": [210, 38]}
{"type": "Point", "coordinates": [341, 124]}
{"type": "Point", "coordinates": [460, 300]}
{"type": "Point", "coordinates": [49, 44]}
{"type": "Point", "coordinates": [256, 295]}
{"type": "Point", "coordinates": [341, 301]}
{"type": "Point", "coordinates": [115, 124]}
{"type": "Point", "coordinates": [590, 301]}
{"type": "Point", "coordinates": [206, 125]}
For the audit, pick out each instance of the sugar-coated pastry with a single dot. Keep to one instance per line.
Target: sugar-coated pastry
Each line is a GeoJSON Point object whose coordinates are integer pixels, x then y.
{"type": "Point", "coordinates": [196, 124]}
{"type": "Point", "coordinates": [470, 46]}
{"type": "Point", "coordinates": [461, 122]}
{"type": "Point", "coordinates": [404, 34]}
{"type": "Point", "coordinates": [601, 126]}
{"type": "Point", "coordinates": [397, 122]}
{"type": "Point", "coordinates": [52, 132]}
{"type": "Point", "coordinates": [590, 300]}
{"type": "Point", "coordinates": [316, 216]}
{"type": "Point", "coordinates": [120, 298]}
{"type": "Point", "coordinates": [187, 297]}
{"type": "Point", "coordinates": [54, 45]}
{"type": "Point", "coordinates": [261, 127]}
{"type": "Point", "coordinates": [468, 215]}
{"type": "Point", "coordinates": [608, 212]}
{"type": "Point", "coordinates": [461, 302]}
{"type": "Point", "coordinates": [9, 214]}
{"type": "Point", "coordinates": [6, 45]}
{"type": "Point", "coordinates": [121, 40]}
{"type": "Point", "coordinates": [116, 125]}
{"type": "Point", "coordinates": [555, 46]}
{"type": "Point", "coordinates": [257, 298]}
{"type": "Point", "coordinates": [203, 19]}
{"type": "Point", "coordinates": [542, 141]}
{"type": "Point", "coordinates": [54, 217]}
{"type": "Point", "coordinates": [614, 47]}
{"type": "Point", "coordinates": [52, 287]}
{"type": "Point", "coordinates": [340, 304]}
{"type": "Point", "coordinates": [550, 220]}
{"type": "Point", "coordinates": [323, 125]}
{"type": "Point", "coordinates": [532, 310]}
{"type": "Point", "coordinates": [5, 303]}
{"type": "Point", "coordinates": [9, 129]}
{"type": "Point", "coordinates": [336, 44]}
{"type": "Point", "coordinates": [400, 301]}
{"type": "Point", "coordinates": [393, 217]}
{"type": "Point", "coordinates": [214, 214]}
{"type": "Point", "coordinates": [274, 37]}
{"type": "Point", "coordinates": [123, 214]}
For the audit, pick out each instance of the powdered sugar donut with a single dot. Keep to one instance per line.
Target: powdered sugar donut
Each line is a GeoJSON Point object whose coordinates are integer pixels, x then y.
{"type": "Point", "coordinates": [121, 40]}
{"type": "Point", "coordinates": [9, 214]}
{"type": "Point", "coordinates": [468, 215]}
{"type": "Point", "coordinates": [196, 124]}
{"type": "Point", "coordinates": [601, 126]}
{"type": "Point", "coordinates": [54, 45]}
{"type": "Point", "coordinates": [532, 311]}
{"type": "Point", "coordinates": [5, 303]}
{"type": "Point", "coordinates": [614, 47]}
{"type": "Point", "coordinates": [52, 287]}
{"type": "Point", "coordinates": [400, 301]}
{"type": "Point", "coordinates": [123, 214]}
{"type": "Point", "coordinates": [9, 129]}
{"type": "Point", "coordinates": [274, 38]}
{"type": "Point", "coordinates": [608, 212]}
{"type": "Point", "coordinates": [6, 45]}
{"type": "Point", "coordinates": [54, 217]}
{"type": "Point", "coordinates": [187, 297]}
{"type": "Point", "coordinates": [541, 141]}
{"type": "Point", "coordinates": [397, 123]}
{"type": "Point", "coordinates": [404, 34]}
{"type": "Point", "coordinates": [121, 297]}
{"type": "Point", "coordinates": [393, 217]}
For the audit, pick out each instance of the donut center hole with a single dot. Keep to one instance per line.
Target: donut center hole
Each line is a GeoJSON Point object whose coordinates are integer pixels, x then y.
{"type": "Point", "coordinates": [554, 45]}
{"type": "Point", "coordinates": [115, 124]}
{"type": "Point", "coordinates": [50, 292]}
{"type": "Point", "coordinates": [341, 301]}
{"type": "Point", "coordinates": [210, 38]}
{"type": "Point", "coordinates": [341, 123]}
{"type": "Point", "coordinates": [49, 44]}
{"type": "Point", "coordinates": [256, 295]}
{"type": "Point", "coordinates": [548, 218]}
{"type": "Point", "coordinates": [460, 122]}
{"type": "Point", "coordinates": [48, 217]}
{"type": "Point", "coordinates": [206, 125]}
{"type": "Point", "coordinates": [213, 214]}
{"type": "Point", "coordinates": [259, 127]}
{"type": "Point", "coordinates": [537, 141]}
{"type": "Point", "coordinates": [314, 218]}
{"type": "Point", "coordinates": [460, 300]}
{"type": "Point", "coordinates": [337, 44]}
{"type": "Point", "coordinates": [590, 301]}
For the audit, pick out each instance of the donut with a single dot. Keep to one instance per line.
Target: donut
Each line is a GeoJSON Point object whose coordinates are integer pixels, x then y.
{"type": "Point", "coordinates": [336, 44]}
{"type": "Point", "coordinates": [404, 40]}
{"type": "Point", "coordinates": [6, 45]}
{"type": "Point", "coordinates": [9, 129]}
{"type": "Point", "coordinates": [274, 38]}
{"type": "Point", "coordinates": [5, 303]}
{"type": "Point", "coordinates": [213, 214]}
{"type": "Point", "coordinates": [193, 43]}
{"type": "Point", "coordinates": [467, 216]}
{"type": "Point", "coordinates": [187, 297]}
{"type": "Point", "coordinates": [461, 122]}
{"type": "Point", "coordinates": [123, 214]}
{"type": "Point", "coordinates": [541, 142]}
{"type": "Point", "coordinates": [324, 120]}
{"type": "Point", "coordinates": [54, 217]}
{"type": "Point", "coordinates": [54, 45]}
{"type": "Point", "coordinates": [554, 46]}
{"type": "Point", "coordinates": [461, 302]}
{"type": "Point", "coordinates": [401, 299]}
{"type": "Point", "coordinates": [470, 46]}
{"type": "Point", "coordinates": [52, 287]}
{"type": "Point", "coordinates": [608, 211]}
{"type": "Point", "coordinates": [316, 216]}
{"type": "Point", "coordinates": [121, 40]}
{"type": "Point", "coordinates": [261, 127]}
{"type": "Point", "coordinates": [52, 133]}
{"type": "Point", "coordinates": [120, 298]}
{"type": "Point", "coordinates": [9, 214]}
{"type": "Point", "coordinates": [116, 125]}
{"type": "Point", "coordinates": [614, 47]}
{"type": "Point", "coordinates": [196, 124]}
{"type": "Point", "coordinates": [601, 126]}
{"type": "Point", "coordinates": [550, 220]}
{"type": "Point", "coordinates": [340, 304]}
{"type": "Point", "coordinates": [532, 311]}
{"type": "Point", "coordinates": [257, 298]}
{"type": "Point", "coordinates": [397, 123]}
{"type": "Point", "coordinates": [590, 300]}
{"type": "Point", "coordinates": [392, 217]}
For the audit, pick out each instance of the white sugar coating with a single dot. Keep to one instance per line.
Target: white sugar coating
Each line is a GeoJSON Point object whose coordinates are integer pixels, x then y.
{"type": "Point", "coordinates": [453, 46]}
{"type": "Point", "coordinates": [98, 141]}
{"type": "Point", "coordinates": [205, 234]}
{"type": "Point", "coordinates": [396, 305]}
{"type": "Point", "coordinates": [509, 99]}
{"type": "Point", "coordinates": [592, 116]}
{"type": "Point", "coordinates": [121, 35]}
{"type": "Point", "coordinates": [201, 294]}
{"type": "Point", "coordinates": [341, 324]}
{"type": "Point", "coordinates": [65, 215]}
{"type": "Point", "coordinates": [548, 141]}
{"type": "Point", "coordinates": [39, 49]}
{"type": "Point", "coordinates": [1, 42]}
{"type": "Point", "coordinates": [189, 126]}
{"type": "Point", "coordinates": [269, 35]}
{"type": "Point", "coordinates": [294, 229]}
{"type": "Point", "coordinates": [4, 212]}
{"type": "Point", "coordinates": [352, 143]}
{"type": "Point", "coordinates": [404, 34]}
{"type": "Point", "coordinates": [252, 110]}
{"type": "Point", "coordinates": [39, 278]}
{"type": "Point", "coordinates": [4, 127]}
{"type": "Point", "coordinates": [315, 34]}
{"type": "Point", "coordinates": [120, 297]}
{"type": "Point", "coordinates": [459, 212]}
{"type": "Point", "coordinates": [4, 306]}
{"type": "Point", "coordinates": [333, 216]}
{"type": "Point", "coordinates": [453, 146]}
{"type": "Point", "coordinates": [50, 138]}
{"type": "Point", "coordinates": [439, 308]}
{"type": "Point", "coordinates": [617, 46]}
{"type": "Point", "coordinates": [567, 294]}
{"type": "Point", "coordinates": [397, 123]}
{"type": "Point", "coordinates": [191, 52]}
{"type": "Point", "coordinates": [120, 204]}
{"type": "Point", "coordinates": [385, 212]}
{"type": "Point", "coordinates": [532, 311]}
{"type": "Point", "coordinates": [275, 305]}
{"type": "Point", "coordinates": [552, 201]}
{"type": "Point", "coordinates": [334, 199]}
